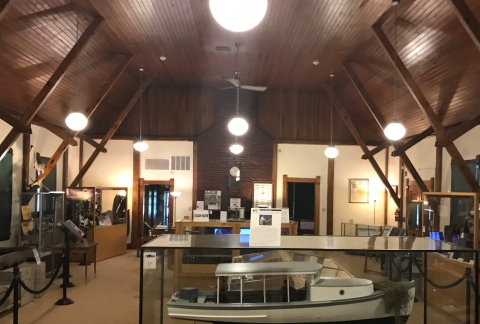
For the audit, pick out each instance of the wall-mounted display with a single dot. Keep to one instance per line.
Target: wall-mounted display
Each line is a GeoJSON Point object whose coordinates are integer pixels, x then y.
{"type": "Point", "coordinates": [358, 190]}
{"type": "Point", "coordinates": [262, 194]}
{"type": "Point", "coordinates": [213, 199]}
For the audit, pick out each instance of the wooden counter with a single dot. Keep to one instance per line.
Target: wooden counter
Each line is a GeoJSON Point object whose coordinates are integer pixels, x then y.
{"type": "Point", "coordinates": [112, 241]}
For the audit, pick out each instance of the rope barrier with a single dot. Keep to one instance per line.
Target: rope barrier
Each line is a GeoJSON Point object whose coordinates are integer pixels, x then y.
{"type": "Point", "coordinates": [7, 293]}
{"type": "Point", "coordinates": [453, 284]}
{"type": "Point", "coordinates": [31, 291]}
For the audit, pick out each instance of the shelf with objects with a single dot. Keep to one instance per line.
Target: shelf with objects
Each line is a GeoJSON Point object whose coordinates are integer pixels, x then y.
{"type": "Point", "coordinates": [40, 212]}
{"type": "Point", "coordinates": [103, 215]}
{"type": "Point", "coordinates": [305, 279]}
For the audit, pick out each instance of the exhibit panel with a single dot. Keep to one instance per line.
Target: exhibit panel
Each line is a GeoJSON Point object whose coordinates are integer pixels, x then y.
{"type": "Point", "coordinates": [288, 284]}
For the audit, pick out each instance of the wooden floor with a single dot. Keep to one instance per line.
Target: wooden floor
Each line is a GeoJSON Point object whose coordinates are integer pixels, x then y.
{"type": "Point", "coordinates": [113, 296]}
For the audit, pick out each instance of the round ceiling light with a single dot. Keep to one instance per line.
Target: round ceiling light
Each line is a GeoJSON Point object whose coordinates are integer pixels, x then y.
{"type": "Point", "coordinates": [76, 121]}
{"type": "Point", "coordinates": [140, 146]}
{"type": "Point", "coordinates": [394, 131]}
{"type": "Point", "coordinates": [238, 15]}
{"type": "Point", "coordinates": [238, 126]}
{"type": "Point", "coordinates": [331, 152]}
{"type": "Point", "coordinates": [236, 148]}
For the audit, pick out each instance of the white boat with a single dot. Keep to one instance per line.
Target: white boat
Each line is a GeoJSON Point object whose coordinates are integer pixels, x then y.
{"type": "Point", "coordinates": [321, 300]}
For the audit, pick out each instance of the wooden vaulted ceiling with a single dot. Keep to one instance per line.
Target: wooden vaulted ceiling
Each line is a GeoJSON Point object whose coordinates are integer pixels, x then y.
{"type": "Point", "coordinates": [35, 35]}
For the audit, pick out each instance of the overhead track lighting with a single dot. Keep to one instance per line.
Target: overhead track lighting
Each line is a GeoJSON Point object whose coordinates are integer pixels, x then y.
{"type": "Point", "coordinates": [238, 15]}
{"type": "Point", "coordinates": [331, 152]}
{"type": "Point", "coordinates": [140, 145]}
{"type": "Point", "coordinates": [395, 130]}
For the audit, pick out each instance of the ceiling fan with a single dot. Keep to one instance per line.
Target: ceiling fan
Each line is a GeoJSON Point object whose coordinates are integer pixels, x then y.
{"type": "Point", "coordinates": [236, 81]}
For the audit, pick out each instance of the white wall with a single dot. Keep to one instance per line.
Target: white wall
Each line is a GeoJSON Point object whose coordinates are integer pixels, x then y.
{"type": "Point", "coordinates": [309, 161]}
{"type": "Point", "coordinates": [183, 179]}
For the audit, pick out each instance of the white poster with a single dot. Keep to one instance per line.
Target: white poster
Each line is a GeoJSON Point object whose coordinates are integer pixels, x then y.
{"type": "Point", "coordinates": [200, 215]}
{"type": "Point", "coordinates": [285, 215]}
{"type": "Point", "coordinates": [200, 205]}
{"type": "Point", "coordinates": [265, 227]}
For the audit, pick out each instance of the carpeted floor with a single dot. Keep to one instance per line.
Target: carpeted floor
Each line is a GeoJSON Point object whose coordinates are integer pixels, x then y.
{"type": "Point", "coordinates": [113, 297]}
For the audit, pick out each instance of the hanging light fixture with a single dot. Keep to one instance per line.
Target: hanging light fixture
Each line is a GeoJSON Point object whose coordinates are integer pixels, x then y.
{"type": "Point", "coordinates": [76, 120]}
{"type": "Point", "coordinates": [238, 15]}
{"type": "Point", "coordinates": [236, 148]}
{"type": "Point", "coordinates": [331, 152]}
{"type": "Point", "coordinates": [140, 145]}
{"type": "Point", "coordinates": [238, 125]}
{"type": "Point", "coordinates": [395, 130]}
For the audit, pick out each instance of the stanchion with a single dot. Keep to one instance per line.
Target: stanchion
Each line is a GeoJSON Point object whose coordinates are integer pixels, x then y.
{"type": "Point", "coordinates": [66, 270]}
{"type": "Point", "coordinates": [16, 294]}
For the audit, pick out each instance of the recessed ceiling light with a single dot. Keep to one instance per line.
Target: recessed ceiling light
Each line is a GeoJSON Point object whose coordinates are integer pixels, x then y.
{"type": "Point", "coordinates": [162, 58]}
{"type": "Point", "coordinates": [315, 62]}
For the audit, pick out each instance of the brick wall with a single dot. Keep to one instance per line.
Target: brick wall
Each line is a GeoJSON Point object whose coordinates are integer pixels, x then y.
{"type": "Point", "coordinates": [214, 156]}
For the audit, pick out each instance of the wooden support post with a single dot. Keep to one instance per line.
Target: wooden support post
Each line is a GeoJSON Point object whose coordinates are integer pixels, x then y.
{"type": "Point", "coordinates": [25, 161]}
{"type": "Point", "coordinates": [438, 186]}
{"type": "Point", "coordinates": [136, 201]}
{"type": "Point", "coordinates": [467, 19]}
{"type": "Point", "coordinates": [330, 195]}
{"type": "Point", "coordinates": [401, 192]}
{"type": "Point", "coordinates": [195, 174]}
{"type": "Point", "coordinates": [376, 150]}
{"type": "Point", "coordinates": [12, 121]}
{"type": "Point", "coordinates": [422, 102]}
{"type": "Point", "coordinates": [51, 84]}
{"type": "Point", "coordinates": [65, 170]}
{"type": "Point", "coordinates": [413, 141]}
{"type": "Point", "coordinates": [348, 121]}
{"type": "Point", "coordinates": [110, 133]}
{"type": "Point", "coordinates": [80, 159]}
{"type": "Point", "coordinates": [92, 142]}
{"type": "Point", "coordinates": [458, 131]}
{"type": "Point", "coordinates": [385, 193]}
{"type": "Point", "coordinates": [4, 6]}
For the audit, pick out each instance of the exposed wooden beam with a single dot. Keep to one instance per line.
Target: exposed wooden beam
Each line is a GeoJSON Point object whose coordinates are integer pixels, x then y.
{"type": "Point", "coordinates": [136, 204]}
{"type": "Point", "coordinates": [51, 84]}
{"type": "Point", "coordinates": [388, 14]}
{"type": "Point", "coordinates": [385, 193]}
{"type": "Point", "coordinates": [4, 6]}
{"type": "Point", "coordinates": [60, 132]}
{"type": "Point", "coordinates": [381, 122]}
{"type": "Point", "coordinates": [80, 159]}
{"type": "Point", "coordinates": [353, 129]}
{"type": "Point", "coordinates": [438, 185]}
{"type": "Point", "coordinates": [467, 19]}
{"type": "Point", "coordinates": [65, 170]}
{"type": "Point", "coordinates": [91, 142]}
{"type": "Point", "coordinates": [110, 132]}
{"type": "Point", "coordinates": [458, 131]}
{"type": "Point", "coordinates": [413, 141]}
{"type": "Point", "coordinates": [422, 102]}
{"type": "Point", "coordinates": [330, 195]}
{"type": "Point", "coordinates": [12, 121]}
{"type": "Point", "coordinates": [376, 150]}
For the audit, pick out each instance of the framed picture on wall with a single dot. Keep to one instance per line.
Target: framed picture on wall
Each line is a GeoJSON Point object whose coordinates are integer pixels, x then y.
{"type": "Point", "coordinates": [262, 194]}
{"type": "Point", "coordinates": [358, 190]}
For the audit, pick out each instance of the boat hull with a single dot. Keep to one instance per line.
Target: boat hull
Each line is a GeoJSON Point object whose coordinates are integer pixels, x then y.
{"type": "Point", "coordinates": [369, 309]}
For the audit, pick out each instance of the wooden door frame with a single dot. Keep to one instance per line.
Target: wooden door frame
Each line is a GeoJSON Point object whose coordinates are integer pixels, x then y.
{"type": "Point", "coordinates": [316, 181]}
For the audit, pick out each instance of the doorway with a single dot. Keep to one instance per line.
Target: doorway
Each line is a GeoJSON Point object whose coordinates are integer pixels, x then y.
{"type": "Point", "coordinates": [302, 196]}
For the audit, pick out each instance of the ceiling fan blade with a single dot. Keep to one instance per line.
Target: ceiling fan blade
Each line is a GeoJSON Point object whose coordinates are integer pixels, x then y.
{"type": "Point", "coordinates": [228, 88]}
{"type": "Point", "coordinates": [231, 80]}
{"type": "Point", "coordinates": [253, 88]}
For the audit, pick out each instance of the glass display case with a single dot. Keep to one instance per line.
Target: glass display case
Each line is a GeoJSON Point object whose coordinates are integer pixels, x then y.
{"type": "Point", "coordinates": [351, 229]}
{"type": "Point", "coordinates": [307, 276]}
{"type": "Point", "coordinates": [41, 211]}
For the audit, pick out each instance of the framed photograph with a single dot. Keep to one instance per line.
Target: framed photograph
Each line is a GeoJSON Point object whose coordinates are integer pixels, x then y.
{"type": "Point", "coordinates": [358, 190]}
{"type": "Point", "coordinates": [262, 194]}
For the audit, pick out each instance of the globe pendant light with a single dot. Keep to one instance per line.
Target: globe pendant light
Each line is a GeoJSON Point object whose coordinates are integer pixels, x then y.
{"type": "Point", "coordinates": [331, 152]}
{"type": "Point", "coordinates": [140, 145]}
{"type": "Point", "coordinates": [238, 15]}
{"type": "Point", "coordinates": [236, 148]}
{"type": "Point", "coordinates": [76, 120]}
{"type": "Point", "coordinates": [395, 130]}
{"type": "Point", "coordinates": [238, 125]}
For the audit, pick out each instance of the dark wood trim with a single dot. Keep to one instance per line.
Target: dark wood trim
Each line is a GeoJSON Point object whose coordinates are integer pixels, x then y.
{"type": "Point", "coordinates": [50, 86]}
{"type": "Point", "coordinates": [80, 158]}
{"type": "Point", "coordinates": [288, 141]}
{"type": "Point", "coordinates": [140, 210]}
{"type": "Point", "coordinates": [385, 193]}
{"type": "Point", "coordinates": [388, 14]}
{"type": "Point", "coordinates": [381, 122]}
{"type": "Point", "coordinates": [316, 215]}
{"type": "Point", "coordinates": [135, 200]}
{"type": "Point", "coordinates": [353, 129]}
{"type": "Point", "coordinates": [438, 185]}
{"type": "Point", "coordinates": [90, 141]}
{"type": "Point", "coordinates": [458, 131]}
{"type": "Point", "coordinates": [467, 19]}
{"type": "Point", "coordinates": [401, 191]}
{"type": "Point", "coordinates": [376, 150]}
{"type": "Point", "coordinates": [12, 121]}
{"type": "Point", "coordinates": [422, 102]}
{"type": "Point", "coordinates": [415, 140]}
{"type": "Point", "coordinates": [147, 138]}
{"type": "Point", "coordinates": [195, 175]}
{"type": "Point", "coordinates": [330, 195]}
{"type": "Point", "coordinates": [172, 204]}
{"type": "Point", "coordinates": [110, 132]}
{"type": "Point", "coordinates": [25, 161]}
{"type": "Point", "coordinates": [65, 169]}
{"type": "Point", "coordinates": [274, 174]}
{"type": "Point", "coordinates": [285, 191]}
{"type": "Point", "coordinates": [4, 7]}
{"type": "Point", "coordinates": [56, 130]}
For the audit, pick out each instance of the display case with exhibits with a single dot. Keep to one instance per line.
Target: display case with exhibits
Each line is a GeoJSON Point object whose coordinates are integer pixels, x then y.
{"type": "Point", "coordinates": [41, 211]}
{"type": "Point", "coordinates": [307, 279]}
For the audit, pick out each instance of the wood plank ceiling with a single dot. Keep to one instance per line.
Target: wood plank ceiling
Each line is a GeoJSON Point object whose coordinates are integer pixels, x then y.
{"type": "Point", "coordinates": [36, 34]}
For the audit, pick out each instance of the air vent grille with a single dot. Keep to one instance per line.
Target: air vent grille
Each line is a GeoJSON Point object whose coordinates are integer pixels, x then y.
{"type": "Point", "coordinates": [180, 163]}
{"type": "Point", "coordinates": [157, 164]}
